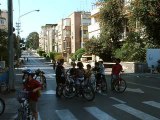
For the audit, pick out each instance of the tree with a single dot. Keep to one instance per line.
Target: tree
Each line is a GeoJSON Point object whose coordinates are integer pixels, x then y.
{"type": "Point", "coordinates": [3, 45]}
{"type": "Point", "coordinates": [148, 12]}
{"type": "Point", "coordinates": [111, 23]}
{"type": "Point", "coordinates": [32, 40]}
{"type": "Point", "coordinates": [78, 54]}
{"type": "Point", "coordinates": [133, 48]}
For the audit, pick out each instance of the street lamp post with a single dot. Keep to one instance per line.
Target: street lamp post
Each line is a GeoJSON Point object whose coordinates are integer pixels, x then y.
{"type": "Point", "coordinates": [10, 45]}
{"type": "Point", "coordinates": [18, 23]}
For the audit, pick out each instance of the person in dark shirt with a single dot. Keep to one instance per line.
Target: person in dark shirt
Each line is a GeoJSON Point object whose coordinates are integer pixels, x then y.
{"type": "Point", "coordinates": [72, 71]}
{"type": "Point", "coordinates": [60, 72]}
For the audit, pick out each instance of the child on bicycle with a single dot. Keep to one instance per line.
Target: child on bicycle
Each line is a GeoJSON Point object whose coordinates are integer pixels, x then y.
{"type": "Point", "coordinates": [88, 73]}
{"type": "Point", "coordinates": [33, 86]}
{"type": "Point", "coordinates": [80, 73]}
{"type": "Point", "coordinates": [116, 69]}
{"type": "Point", "coordinates": [72, 71]}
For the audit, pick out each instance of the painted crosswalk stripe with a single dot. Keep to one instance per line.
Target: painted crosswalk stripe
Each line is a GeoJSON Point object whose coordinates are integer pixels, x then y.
{"type": "Point", "coordinates": [49, 92]}
{"type": "Point", "coordinates": [152, 103]}
{"type": "Point", "coordinates": [65, 115]}
{"type": "Point", "coordinates": [137, 113]}
{"type": "Point", "coordinates": [118, 100]}
{"type": "Point", "coordinates": [39, 118]}
{"type": "Point", "coordinates": [99, 114]}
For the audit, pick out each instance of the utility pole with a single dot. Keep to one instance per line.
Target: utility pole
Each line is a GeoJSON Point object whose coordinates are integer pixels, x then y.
{"type": "Point", "coordinates": [10, 45]}
{"type": "Point", "coordinates": [18, 24]}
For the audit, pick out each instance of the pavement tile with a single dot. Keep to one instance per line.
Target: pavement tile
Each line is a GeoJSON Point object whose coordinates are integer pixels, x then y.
{"type": "Point", "coordinates": [11, 103]}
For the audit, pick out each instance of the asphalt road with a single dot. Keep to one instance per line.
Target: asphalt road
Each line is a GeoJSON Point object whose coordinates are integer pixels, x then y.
{"type": "Point", "coordinates": [140, 101]}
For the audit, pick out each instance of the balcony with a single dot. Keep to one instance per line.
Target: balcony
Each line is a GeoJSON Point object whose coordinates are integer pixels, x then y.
{"type": "Point", "coordinates": [67, 23]}
{"type": "Point", "coordinates": [93, 27]}
{"type": "Point", "coordinates": [84, 36]}
{"type": "Point", "coordinates": [95, 11]}
{"type": "Point", "coordinates": [84, 27]}
{"type": "Point", "coordinates": [67, 28]}
{"type": "Point", "coordinates": [66, 39]}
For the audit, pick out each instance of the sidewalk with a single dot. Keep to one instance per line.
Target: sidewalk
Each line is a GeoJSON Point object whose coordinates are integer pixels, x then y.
{"type": "Point", "coordinates": [11, 104]}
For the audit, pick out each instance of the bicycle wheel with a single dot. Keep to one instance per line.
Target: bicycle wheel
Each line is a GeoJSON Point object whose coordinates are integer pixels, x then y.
{"type": "Point", "coordinates": [69, 91]}
{"type": "Point", "coordinates": [2, 106]}
{"type": "Point", "coordinates": [104, 87]}
{"type": "Point", "coordinates": [88, 93]}
{"type": "Point", "coordinates": [120, 86]}
{"type": "Point", "coordinates": [22, 114]}
{"type": "Point", "coordinates": [43, 80]}
{"type": "Point", "coordinates": [59, 91]}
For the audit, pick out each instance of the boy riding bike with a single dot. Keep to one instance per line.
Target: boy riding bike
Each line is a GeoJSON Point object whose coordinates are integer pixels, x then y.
{"type": "Point", "coordinates": [116, 69]}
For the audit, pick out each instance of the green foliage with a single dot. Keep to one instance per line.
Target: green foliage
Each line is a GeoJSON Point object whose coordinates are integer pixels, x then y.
{"type": "Point", "coordinates": [78, 54]}
{"type": "Point", "coordinates": [51, 55]}
{"type": "Point", "coordinates": [111, 23]}
{"type": "Point", "coordinates": [133, 49]}
{"type": "Point", "coordinates": [44, 54]}
{"type": "Point", "coordinates": [3, 46]}
{"type": "Point", "coordinates": [58, 56]}
{"type": "Point", "coordinates": [40, 52]}
{"type": "Point", "coordinates": [33, 40]}
{"type": "Point", "coordinates": [47, 57]}
{"type": "Point", "coordinates": [99, 48]}
{"type": "Point", "coordinates": [142, 17]}
{"type": "Point", "coordinates": [147, 12]}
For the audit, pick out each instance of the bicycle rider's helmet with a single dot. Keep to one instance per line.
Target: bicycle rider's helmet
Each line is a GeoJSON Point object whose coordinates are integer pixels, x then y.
{"type": "Point", "coordinates": [31, 73]}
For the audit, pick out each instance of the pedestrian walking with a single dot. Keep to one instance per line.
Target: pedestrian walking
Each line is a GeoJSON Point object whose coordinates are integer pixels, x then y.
{"type": "Point", "coordinates": [54, 64]}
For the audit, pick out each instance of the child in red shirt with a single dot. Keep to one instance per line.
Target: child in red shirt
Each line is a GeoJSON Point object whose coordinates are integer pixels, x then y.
{"type": "Point", "coordinates": [34, 86]}
{"type": "Point", "coordinates": [116, 69]}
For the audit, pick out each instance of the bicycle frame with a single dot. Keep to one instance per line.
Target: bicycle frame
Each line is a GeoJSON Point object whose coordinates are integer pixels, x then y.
{"type": "Point", "coordinates": [2, 106]}
{"type": "Point", "coordinates": [24, 112]}
{"type": "Point", "coordinates": [118, 83]}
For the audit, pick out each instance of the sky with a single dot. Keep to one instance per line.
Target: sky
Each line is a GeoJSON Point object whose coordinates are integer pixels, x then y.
{"type": "Point", "coordinates": [51, 12]}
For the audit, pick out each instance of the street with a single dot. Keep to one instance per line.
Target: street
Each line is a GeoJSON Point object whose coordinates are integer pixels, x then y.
{"type": "Point", "coordinates": [140, 101]}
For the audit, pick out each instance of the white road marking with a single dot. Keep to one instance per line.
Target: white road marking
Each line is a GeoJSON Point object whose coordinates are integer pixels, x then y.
{"type": "Point", "coordinates": [156, 88]}
{"type": "Point", "coordinates": [152, 103]}
{"type": "Point", "coordinates": [137, 90]}
{"type": "Point", "coordinates": [49, 92]}
{"type": "Point", "coordinates": [116, 99]}
{"type": "Point", "coordinates": [65, 115]}
{"type": "Point", "coordinates": [39, 118]}
{"type": "Point", "coordinates": [15, 116]}
{"type": "Point", "coordinates": [99, 114]}
{"type": "Point", "coordinates": [137, 113]}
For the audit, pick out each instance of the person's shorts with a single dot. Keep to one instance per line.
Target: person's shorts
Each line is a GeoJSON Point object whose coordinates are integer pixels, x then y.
{"type": "Point", "coordinates": [60, 79]}
{"type": "Point", "coordinates": [33, 106]}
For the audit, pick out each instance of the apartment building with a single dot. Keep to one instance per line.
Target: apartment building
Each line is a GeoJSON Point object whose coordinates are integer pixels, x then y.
{"type": "Point", "coordinates": [85, 22]}
{"type": "Point", "coordinates": [94, 28]}
{"type": "Point", "coordinates": [69, 34]}
{"type": "Point", "coordinates": [72, 32]}
{"type": "Point", "coordinates": [58, 45]}
{"type": "Point", "coordinates": [4, 19]}
{"type": "Point", "coordinates": [47, 37]}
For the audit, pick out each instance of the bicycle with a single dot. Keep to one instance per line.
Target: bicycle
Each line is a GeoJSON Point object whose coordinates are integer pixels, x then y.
{"type": "Point", "coordinates": [118, 83]}
{"type": "Point", "coordinates": [101, 84]}
{"type": "Point", "coordinates": [2, 106]}
{"type": "Point", "coordinates": [59, 90]}
{"type": "Point", "coordinates": [40, 74]}
{"type": "Point", "coordinates": [78, 88]}
{"type": "Point", "coordinates": [24, 112]}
